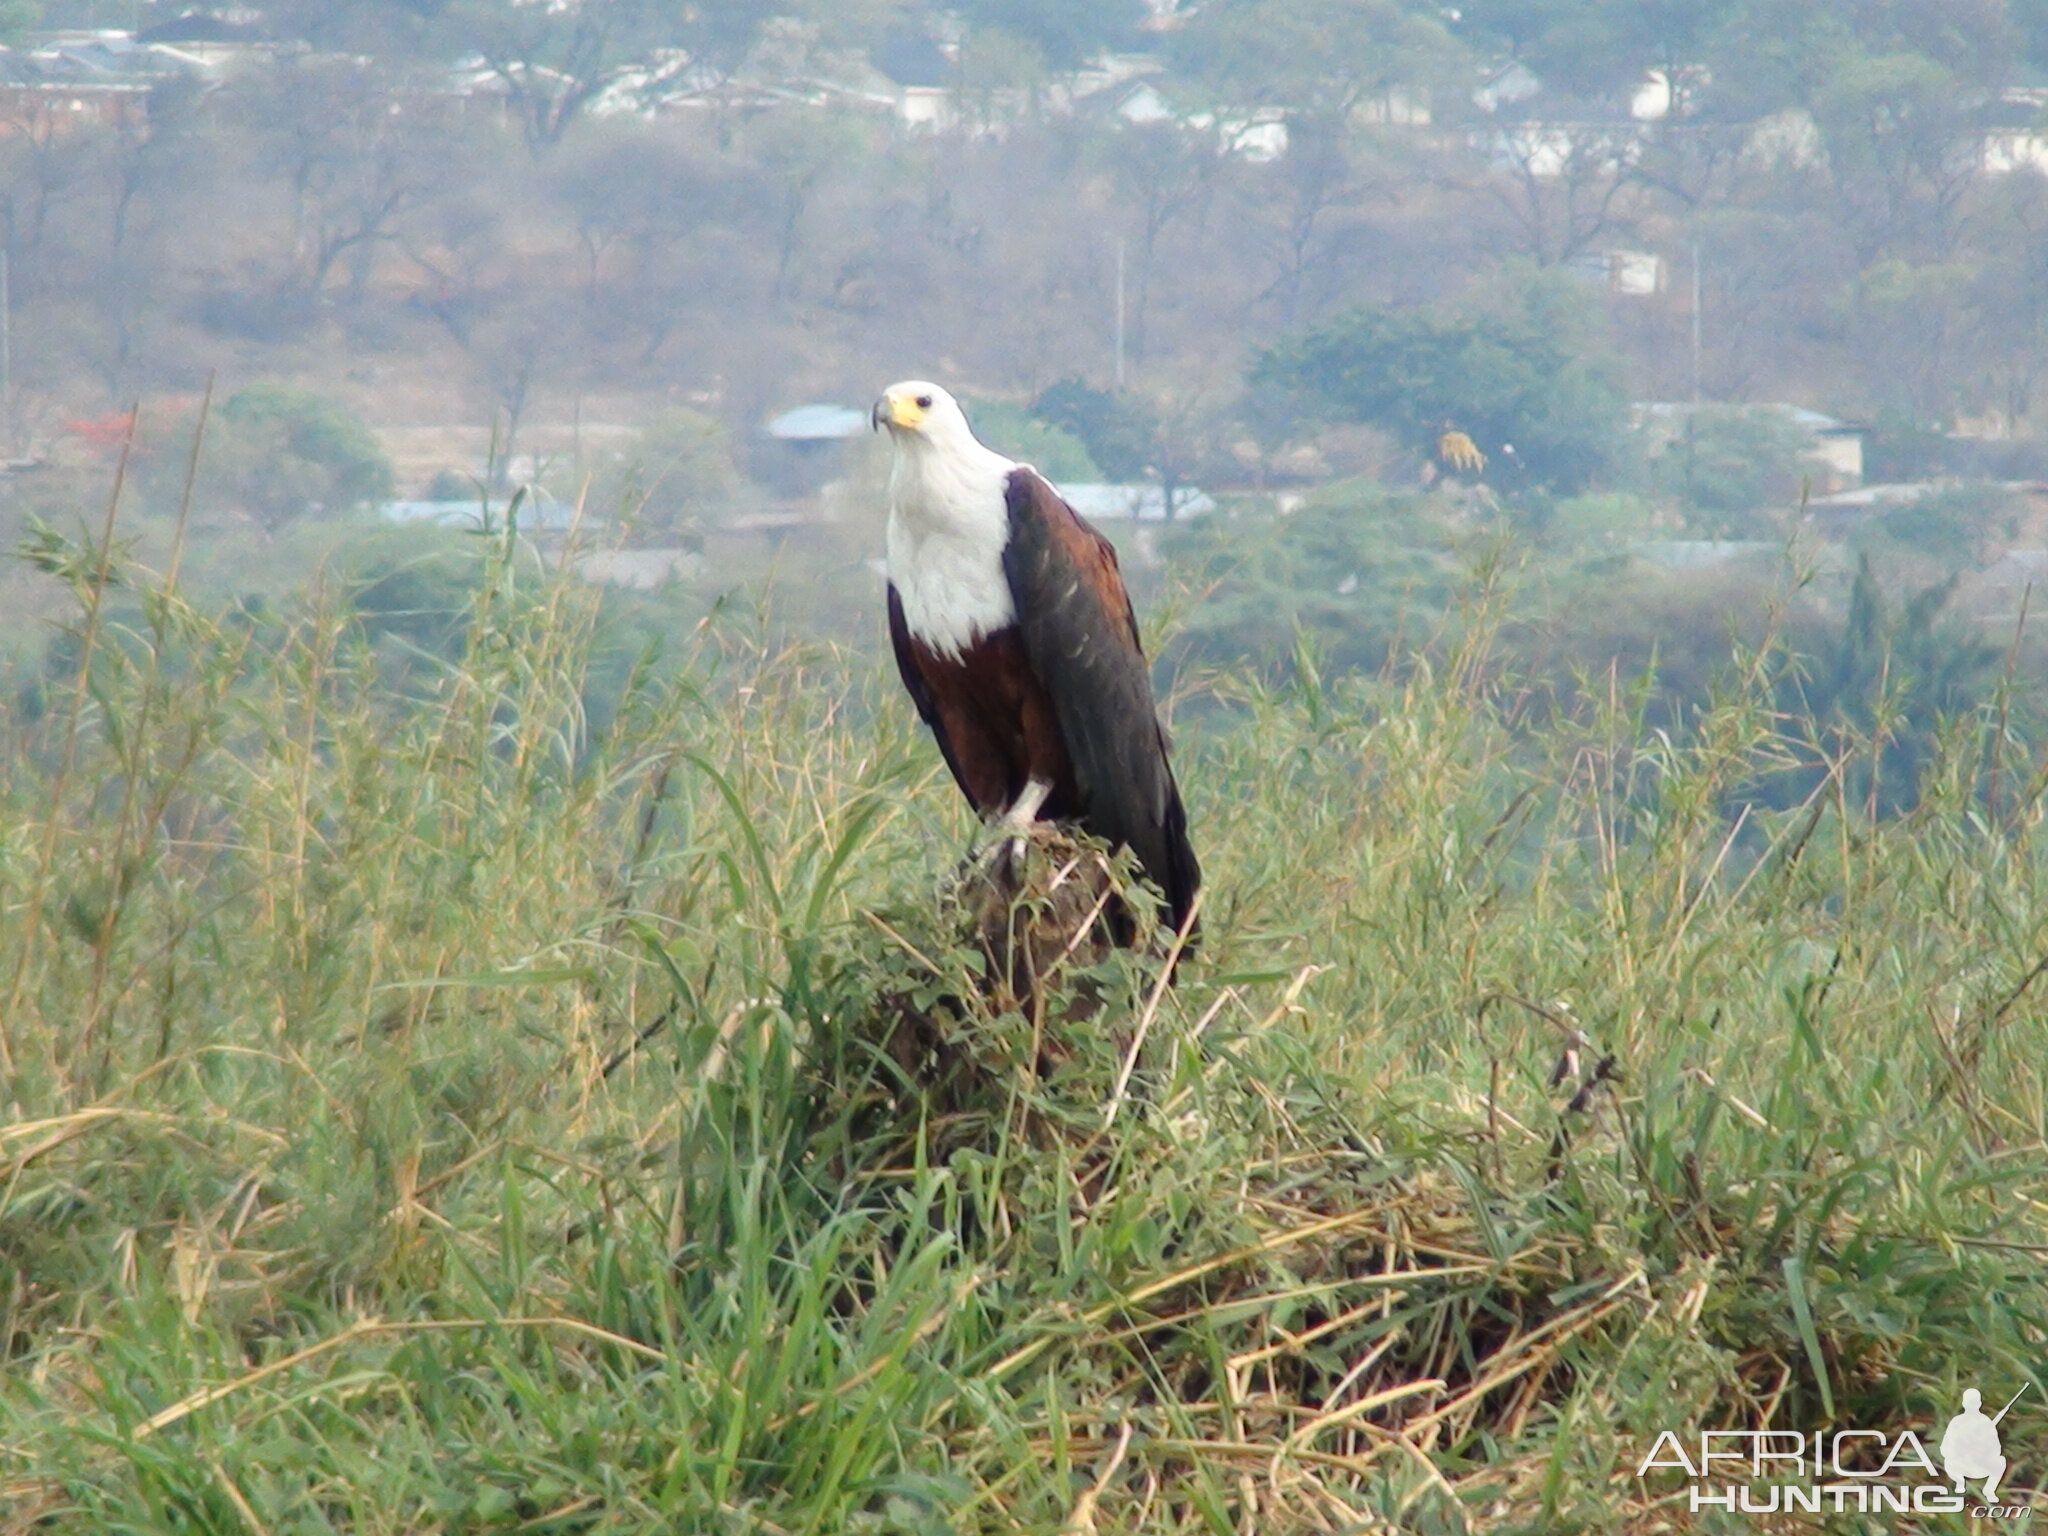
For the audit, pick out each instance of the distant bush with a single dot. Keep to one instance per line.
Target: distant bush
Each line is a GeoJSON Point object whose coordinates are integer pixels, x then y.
{"type": "Point", "coordinates": [1526, 367]}
{"type": "Point", "coordinates": [1956, 528]}
{"type": "Point", "coordinates": [273, 453]}
{"type": "Point", "coordinates": [1119, 429]}
{"type": "Point", "coordinates": [417, 586]}
{"type": "Point", "coordinates": [1901, 448]}
{"type": "Point", "coordinates": [1893, 675]}
{"type": "Point", "coordinates": [451, 485]}
{"type": "Point", "coordinates": [679, 473]}
{"type": "Point", "coordinates": [1735, 469]}
{"type": "Point", "coordinates": [1354, 569]}
{"type": "Point", "coordinates": [1010, 429]}
{"type": "Point", "coordinates": [1602, 519]}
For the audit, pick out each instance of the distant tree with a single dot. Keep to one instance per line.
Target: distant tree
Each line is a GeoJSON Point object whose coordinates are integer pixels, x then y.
{"type": "Point", "coordinates": [660, 220]}
{"type": "Point", "coordinates": [678, 475]}
{"type": "Point", "coordinates": [1526, 369]}
{"type": "Point", "coordinates": [1355, 570]}
{"type": "Point", "coordinates": [1955, 529]}
{"type": "Point", "coordinates": [1900, 149]}
{"type": "Point", "coordinates": [553, 61]}
{"type": "Point", "coordinates": [1593, 47]}
{"type": "Point", "coordinates": [17, 17]}
{"type": "Point", "coordinates": [418, 585]}
{"type": "Point", "coordinates": [519, 342]}
{"type": "Point", "coordinates": [1313, 58]}
{"type": "Point", "coordinates": [1306, 212]}
{"type": "Point", "coordinates": [2008, 300]}
{"type": "Point", "coordinates": [1910, 322]}
{"type": "Point", "coordinates": [795, 155]}
{"type": "Point", "coordinates": [1768, 55]}
{"type": "Point", "coordinates": [1773, 269]}
{"type": "Point", "coordinates": [451, 485]}
{"type": "Point", "coordinates": [1890, 678]}
{"type": "Point", "coordinates": [996, 78]}
{"type": "Point", "coordinates": [1119, 429]}
{"type": "Point", "coordinates": [1164, 174]}
{"type": "Point", "coordinates": [276, 454]}
{"type": "Point", "coordinates": [1058, 454]}
{"type": "Point", "coordinates": [1736, 470]}
{"type": "Point", "coordinates": [1065, 32]}
{"type": "Point", "coordinates": [1564, 188]}
{"type": "Point", "coordinates": [351, 167]}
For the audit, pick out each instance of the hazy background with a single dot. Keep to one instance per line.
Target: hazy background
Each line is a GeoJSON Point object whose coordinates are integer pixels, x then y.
{"type": "Point", "coordinates": [1743, 302]}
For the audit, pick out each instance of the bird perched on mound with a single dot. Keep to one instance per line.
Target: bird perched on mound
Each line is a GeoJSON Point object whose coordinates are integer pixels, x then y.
{"type": "Point", "coordinates": [1016, 640]}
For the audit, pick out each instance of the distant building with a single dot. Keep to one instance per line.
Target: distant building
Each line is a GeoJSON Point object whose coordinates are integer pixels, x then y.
{"type": "Point", "coordinates": [1789, 140]}
{"type": "Point", "coordinates": [1633, 274]}
{"type": "Point", "coordinates": [820, 424]}
{"type": "Point", "coordinates": [1550, 135]}
{"type": "Point", "coordinates": [1133, 503]}
{"type": "Point", "coordinates": [64, 81]}
{"type": "Point", "coordinates": [538, 512]}
{"type": "Point", "coordinates": [225, 41]}
{"type": "Point", "coordinates": [805, 446]}
{"type": "Point", "coordinates": [1513, 82]}
{"type": "Point", "coordinates": [1835, 447]}
{"type": "Point", "coordinates": [2014, 132]}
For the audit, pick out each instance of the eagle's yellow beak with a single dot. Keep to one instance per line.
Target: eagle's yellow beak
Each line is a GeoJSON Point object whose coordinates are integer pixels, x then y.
{"type": "Point", "coordinates": [899, 410]}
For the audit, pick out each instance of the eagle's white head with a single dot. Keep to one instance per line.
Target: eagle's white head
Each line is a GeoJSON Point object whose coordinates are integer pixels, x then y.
{"type": "Point", "coordinates": [948, 520]}
{"type": "Point", "coordinates": [943, 474]}
{"type": "Point", "coordinates": [923, 417]}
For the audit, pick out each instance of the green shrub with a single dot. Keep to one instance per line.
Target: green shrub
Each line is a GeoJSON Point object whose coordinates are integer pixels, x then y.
{"type": "Point", "coordinates": [678, 475]}
{"type": "Point", "coordinates": [272, 453]}
{"type": "Point", "coordinates": [1525, 366]}
{"type": "Point", "coordinates": [1736, 470]}
{"type": "Point", "coordinates": [1118, 428]}
{"type": "Point", "coordinates": [1010, 429]}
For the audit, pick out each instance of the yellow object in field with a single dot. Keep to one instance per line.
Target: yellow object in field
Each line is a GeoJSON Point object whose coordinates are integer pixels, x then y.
{"type": "Point", "coordinates": [1459, 452]}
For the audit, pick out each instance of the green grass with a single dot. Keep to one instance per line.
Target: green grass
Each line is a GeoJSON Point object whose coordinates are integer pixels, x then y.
{"type": "Point", "coordinates": [427, 1110]}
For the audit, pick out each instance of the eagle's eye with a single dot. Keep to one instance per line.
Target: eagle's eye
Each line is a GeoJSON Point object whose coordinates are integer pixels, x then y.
{"type": "Point", "coordinates": [924, 402]}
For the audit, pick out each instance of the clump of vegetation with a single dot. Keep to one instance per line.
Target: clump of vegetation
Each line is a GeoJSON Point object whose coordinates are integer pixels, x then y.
{"type": "Point", "coordinates": [1119, 429]}
{"type": "Point", "coordinates": [1010, 429]}
{"type": "Point", "coordinates": [1351, 572]}
{"type": "Point", "coordinates": [441, 1107]}
{"type": "Point", "coordinates": [678, 476]}
{"type": "Point", "coordinates": [1737, 471]}
{"type": "Point", "coordinates": [1522, 368]}
{"type": "Point", "coordinates": [274, 454]}
{"type": "Point", "coordinates": [1950, 529]}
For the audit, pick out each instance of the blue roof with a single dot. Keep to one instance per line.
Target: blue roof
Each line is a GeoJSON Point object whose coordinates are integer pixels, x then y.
{"type": "Point", "coordinates": [808, 423]}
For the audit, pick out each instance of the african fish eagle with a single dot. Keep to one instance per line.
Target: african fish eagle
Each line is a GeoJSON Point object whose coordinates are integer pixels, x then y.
{"type": "Point", "coordinates": [1015, 637]}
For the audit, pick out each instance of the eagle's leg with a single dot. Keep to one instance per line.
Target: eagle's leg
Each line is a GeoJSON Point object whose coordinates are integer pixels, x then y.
{"type": "Point", "coordinates": [1009, 830]}
{"type": "Point", "coordinates": [1017, 820]}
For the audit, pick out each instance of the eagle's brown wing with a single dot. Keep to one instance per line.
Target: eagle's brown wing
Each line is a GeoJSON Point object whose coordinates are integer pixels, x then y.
{"type": "Point", "coordinates": [1081, 640]}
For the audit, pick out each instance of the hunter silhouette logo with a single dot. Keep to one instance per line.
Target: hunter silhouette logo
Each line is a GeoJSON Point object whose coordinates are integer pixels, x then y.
{"type": "Point", "coordinates": [1865, 1471]}
{"type": "Point", "coordinates": [1969, 1446]}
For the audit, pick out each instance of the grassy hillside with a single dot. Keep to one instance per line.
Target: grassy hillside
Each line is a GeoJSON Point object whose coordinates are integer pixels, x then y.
{"type": "Point", "coordinates": [431, 1107]}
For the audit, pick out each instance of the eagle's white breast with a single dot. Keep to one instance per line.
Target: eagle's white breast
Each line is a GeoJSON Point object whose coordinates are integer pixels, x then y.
{"type": "Point", "coordinates": [948, 523]}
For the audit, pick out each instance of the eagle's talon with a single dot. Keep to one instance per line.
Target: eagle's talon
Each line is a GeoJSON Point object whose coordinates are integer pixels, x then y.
{"type": "Point", "coordinates": [1009, 832]}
